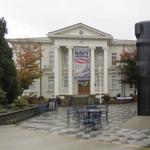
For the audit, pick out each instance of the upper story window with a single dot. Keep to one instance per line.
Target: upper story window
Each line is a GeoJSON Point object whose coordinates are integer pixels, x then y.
{"type": "Point", "coordinates": [50, 83]}
{"type": "Point", "coordinates": [65, 58]}
{"type": "Point", "coordinates": [99, 59]}
{"type": "Point", "coordinates": [51, 59]}
{"type": "Point", "coordinates": [65, 81]}
{"type": "Point", "coordinates": [114, 59]}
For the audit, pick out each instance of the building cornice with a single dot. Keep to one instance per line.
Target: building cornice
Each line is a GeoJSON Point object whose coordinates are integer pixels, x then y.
{"type": "Point", "coordinates": [34, 40]}
{"type": "Point", "coordinates": [123, 42]}
{"type": "Point", "coordinates": [78, 37]}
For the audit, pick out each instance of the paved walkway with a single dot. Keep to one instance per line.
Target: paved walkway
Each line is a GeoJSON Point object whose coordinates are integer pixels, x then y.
{"type": "Point", "coordinates": [16, 138]}
{"type": "Point", "coordinates": [56, 123]}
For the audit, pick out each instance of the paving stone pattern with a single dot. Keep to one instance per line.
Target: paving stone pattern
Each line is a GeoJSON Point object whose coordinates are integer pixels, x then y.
{"type": "Point", "coordinates": [56, 122]}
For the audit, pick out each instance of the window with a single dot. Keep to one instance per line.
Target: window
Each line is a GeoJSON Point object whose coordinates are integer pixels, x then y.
{"type": "Point", "coordinates": [114, 59]}
{"type": "Point", "coordinates": [51, 83]}
{"type": "Point", "coordinates": [99, 59]}
{"type": "Point", "coordinates": [33, 86]}
{"type": "Point", "coordinates": [51, 59]}
{"type": "Point", "coordinates": [65, 81]}
{"type": "Point", "coordinates": [114, 81]}
{"type": "Point", "coordinates": [65, 58]}
{"type": "Point", "coordinates": [97, 81]}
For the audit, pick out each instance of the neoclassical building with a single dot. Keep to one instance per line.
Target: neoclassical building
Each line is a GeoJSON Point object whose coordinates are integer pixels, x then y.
{"type": "Point", "coordinates": [79, 60]}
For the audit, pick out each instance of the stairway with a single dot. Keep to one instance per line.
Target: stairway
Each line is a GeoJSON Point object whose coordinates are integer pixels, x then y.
{"type": "Point", "coordinates": [79, 100]}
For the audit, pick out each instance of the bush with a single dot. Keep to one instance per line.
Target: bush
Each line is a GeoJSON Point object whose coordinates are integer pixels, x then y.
{"type": "Point", "coordinates": [118, 95]}
{"type": "Point", "coordinates": [2, 109]}
{"type": "Point", "coordinates": [32, 99]}
{"type": "Point", "coordinates": [2, 97]}
{"type": "Point", "coordinates": [106, 98]}
{"type": "Point", "coordinates": [11, 106]}
{"type": "Point", "coordinates": [22, 102]}
{"type": "Point", "coordinates": [41, 99]}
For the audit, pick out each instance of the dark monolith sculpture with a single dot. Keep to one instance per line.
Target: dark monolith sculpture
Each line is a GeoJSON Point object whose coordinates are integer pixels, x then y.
{"type": "Point", "coordinates": [142, 32]}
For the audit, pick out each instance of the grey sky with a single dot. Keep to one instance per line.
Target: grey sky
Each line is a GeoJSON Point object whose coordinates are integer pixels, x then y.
{"type": "Point", "coordinates": [35, 18]}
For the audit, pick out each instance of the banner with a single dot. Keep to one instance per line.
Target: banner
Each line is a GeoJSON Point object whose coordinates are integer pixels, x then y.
{"type": "Point", "coordinates": [81, 63]}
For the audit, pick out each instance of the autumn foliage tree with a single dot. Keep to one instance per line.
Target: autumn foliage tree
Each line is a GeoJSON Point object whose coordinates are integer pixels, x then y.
{"type": "Point", "coordinates": [127, 66]}
{"type": "Point", "coordinates": [28, 56]}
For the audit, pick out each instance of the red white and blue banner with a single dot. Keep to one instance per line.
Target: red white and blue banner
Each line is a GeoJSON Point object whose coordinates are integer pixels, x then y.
{"type": "Point", "coordinates": [81, 63]}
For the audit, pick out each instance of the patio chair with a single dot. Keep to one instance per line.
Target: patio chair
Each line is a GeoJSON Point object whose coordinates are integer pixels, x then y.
{"type": "Point", "coordinates": [92, 120]}
{"type": "Point", "coordinates": [72, 112]}
{"type": "Point", "coordinates": [104, 108]}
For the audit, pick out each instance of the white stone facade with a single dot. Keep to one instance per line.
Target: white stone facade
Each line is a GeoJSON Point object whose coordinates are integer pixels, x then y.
{"type": "Point", "coordinates": [58, 62]}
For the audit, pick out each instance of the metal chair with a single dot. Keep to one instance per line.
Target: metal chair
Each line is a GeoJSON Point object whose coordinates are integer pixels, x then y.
{"type": "Point", "coordinates": [72, 112]}
{"type": "Point", "coordinates": [93, 119]}
{"type": "Point", "coordinates": [104, 108]}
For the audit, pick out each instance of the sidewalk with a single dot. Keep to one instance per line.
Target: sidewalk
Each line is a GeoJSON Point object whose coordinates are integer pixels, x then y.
{"type": "Point", "coordinates": [16, 138]}
{"type": "Point", "coordinates": [56, 123]}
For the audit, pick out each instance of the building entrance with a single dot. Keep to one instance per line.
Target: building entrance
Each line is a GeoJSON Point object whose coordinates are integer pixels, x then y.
{"type": "Point", "coordinates": [83, 87]}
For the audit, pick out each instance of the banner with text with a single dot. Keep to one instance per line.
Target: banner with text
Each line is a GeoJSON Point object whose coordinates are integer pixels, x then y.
{"type": "Point", "coordinates": [81, 63]}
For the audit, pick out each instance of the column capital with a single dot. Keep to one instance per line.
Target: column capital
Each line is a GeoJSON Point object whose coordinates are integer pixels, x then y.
{"type": "Point", "coordinates": [106, 48]}
{"type": "Point", "coordinates": [92, 48]}
{"type": "Point", "coordinates": [56, 47]}
{"type": "Point", "coordinates": [69, 47]}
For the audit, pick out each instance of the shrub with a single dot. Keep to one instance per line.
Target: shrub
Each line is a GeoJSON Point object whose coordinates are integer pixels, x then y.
{"type": "Point", "coordinates": [21, 102]}
{"type": "Point", "coordinates": [11, 106]}
{"type": "Point", "coordinates": [2, 97]}
{"type": "Point", "coordinates": [41, 98]}
{"type": "Point", "coordinates": [2, 109]}
{"type": "Point", "coordinates": [106, 98]}
{"type": "Point", "coordinates": [118, 95]}
{"type": "Point", "coordinates": [32, 99]}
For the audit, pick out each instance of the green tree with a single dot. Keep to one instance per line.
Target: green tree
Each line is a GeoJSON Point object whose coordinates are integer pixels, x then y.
{"type": "Point", "coordinates": [127, 66]}
{"type": "Point", "coordinates": [8, 80]}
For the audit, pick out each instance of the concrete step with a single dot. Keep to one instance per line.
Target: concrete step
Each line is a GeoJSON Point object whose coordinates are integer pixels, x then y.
{"type": "Point", "coordinates": [79, 100]}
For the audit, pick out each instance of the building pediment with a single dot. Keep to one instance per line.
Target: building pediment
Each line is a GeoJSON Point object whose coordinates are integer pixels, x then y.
{"type": "Point", "coordinates": [79, 30]}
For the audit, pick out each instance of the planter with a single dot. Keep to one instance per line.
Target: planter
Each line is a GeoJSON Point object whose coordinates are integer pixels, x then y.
{"type": "Point", "coordinates": [20, 115]}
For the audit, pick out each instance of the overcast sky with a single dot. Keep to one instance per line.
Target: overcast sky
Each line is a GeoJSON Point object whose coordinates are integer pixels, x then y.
{"type": "Point", "coordinates": [35, 18]}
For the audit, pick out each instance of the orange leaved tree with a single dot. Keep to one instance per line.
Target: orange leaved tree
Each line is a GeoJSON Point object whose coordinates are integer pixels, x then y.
{"type": "Point", "coordinates": [127, 66]}
{"type": "Point", "coordinates": [28, 63]}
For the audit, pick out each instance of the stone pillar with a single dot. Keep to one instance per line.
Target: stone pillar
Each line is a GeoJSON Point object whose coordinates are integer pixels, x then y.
{"type": "Point", "coordinates": [56, 72]}
{"type": "Point", "coordinates": [92, 83]}
{"type": "Point", "coordinates": [106, 70]}
{"type": "Point", "coordinates": [70, 70]}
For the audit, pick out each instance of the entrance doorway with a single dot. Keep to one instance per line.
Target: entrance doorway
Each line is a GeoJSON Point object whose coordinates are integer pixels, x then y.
{"type": "Point", "coordinates": [83, 87]}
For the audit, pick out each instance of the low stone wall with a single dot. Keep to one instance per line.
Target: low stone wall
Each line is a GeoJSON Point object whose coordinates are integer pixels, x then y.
{"type": "Point", "coordinates": [20, 115]}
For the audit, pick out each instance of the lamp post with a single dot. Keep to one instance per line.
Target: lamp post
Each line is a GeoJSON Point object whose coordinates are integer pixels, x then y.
{"type": "Point", "coordinates": [100, 90]}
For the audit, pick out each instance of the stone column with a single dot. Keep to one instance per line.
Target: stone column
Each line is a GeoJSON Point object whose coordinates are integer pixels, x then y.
{"type": "Point", "coordinates": [92, 83]}
{"type": "Point", "coordinates": [106, 70]}
{"type": "Point", "coordinates": [70, 68]}
{"type": "Point", "coordinates": [56, 72]}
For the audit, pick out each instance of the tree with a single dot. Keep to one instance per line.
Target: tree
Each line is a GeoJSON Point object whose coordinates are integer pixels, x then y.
{"type": "Point", "coordinates": [28, 58]}
{"type": "Point", "coordinates": [8, 80]}
{"type": "Point", "coordinates": [127, 66]}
